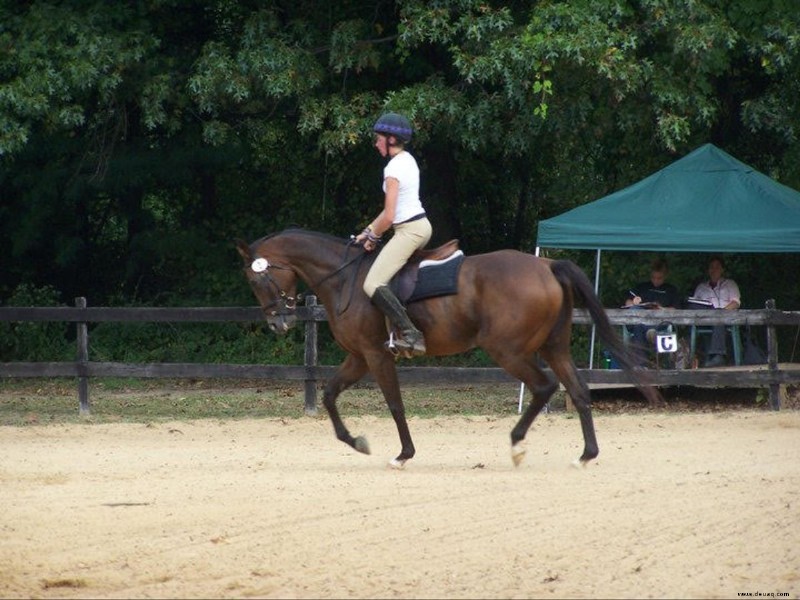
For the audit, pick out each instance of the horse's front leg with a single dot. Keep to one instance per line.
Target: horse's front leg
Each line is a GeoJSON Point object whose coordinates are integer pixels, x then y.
{"type": "Point", "coordinates": [382, 367]}
{"type": "Point", "coordinates": [350, 371]}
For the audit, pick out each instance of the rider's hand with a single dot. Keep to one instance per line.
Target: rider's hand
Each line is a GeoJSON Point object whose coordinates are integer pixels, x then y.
{"type": "Point", "coordinates": [368, 239]}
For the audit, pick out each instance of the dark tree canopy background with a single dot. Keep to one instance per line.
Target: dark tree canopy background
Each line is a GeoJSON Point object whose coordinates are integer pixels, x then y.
{"type": "Point", "coordinates": [138, 138]}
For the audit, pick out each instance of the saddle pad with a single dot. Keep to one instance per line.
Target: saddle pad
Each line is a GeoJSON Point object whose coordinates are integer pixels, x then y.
{"type": "Point", "coordinates": [437, 277]}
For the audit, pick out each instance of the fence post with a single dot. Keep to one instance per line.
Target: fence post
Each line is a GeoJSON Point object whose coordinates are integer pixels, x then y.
{"type": "Point", "coordinates": [772, 359]}
{"type": "Point", "coordinates": [82, 360]}
{"type": "Point", "coordinates": [310, 361]}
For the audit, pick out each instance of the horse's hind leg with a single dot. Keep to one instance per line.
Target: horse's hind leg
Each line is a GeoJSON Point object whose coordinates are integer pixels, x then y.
{"type": "Point", "coordinates": [574, 385]}
{"type": "Point", "coordinates": [541, 386]}
{"type": "Point", "coordinates": [350, 371]}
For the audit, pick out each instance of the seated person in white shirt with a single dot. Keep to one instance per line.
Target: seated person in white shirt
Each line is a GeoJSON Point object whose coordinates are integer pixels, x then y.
{"type": "Point", "coordinates": [722, 293]}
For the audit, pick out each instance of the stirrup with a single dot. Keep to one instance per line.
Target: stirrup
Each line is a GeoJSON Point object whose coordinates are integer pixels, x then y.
{"type": "Point", "coordinates": [391, 345]}
{"type": "Point", "coordinates": [411, 344]}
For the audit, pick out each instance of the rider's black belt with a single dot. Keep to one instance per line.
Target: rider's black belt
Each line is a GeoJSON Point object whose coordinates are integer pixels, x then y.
{"type": "Point", "coordinates": [421, 215]}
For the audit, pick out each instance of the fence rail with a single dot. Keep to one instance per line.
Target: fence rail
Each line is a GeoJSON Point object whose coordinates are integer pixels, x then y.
{"type": "Point", "coordinates": [771, 376]}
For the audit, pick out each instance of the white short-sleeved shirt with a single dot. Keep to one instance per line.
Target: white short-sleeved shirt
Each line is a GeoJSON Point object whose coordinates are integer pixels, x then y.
{"type": "Point", "coordinates": [720, 295]}
{"type": "Point", "coordinates": [403, 167]}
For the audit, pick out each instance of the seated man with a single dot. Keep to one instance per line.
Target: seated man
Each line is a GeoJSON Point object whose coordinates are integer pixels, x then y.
{"type": "Point", "coordinates": [724, 294]}
{"type": "Point", "coordinates": [656, 293]}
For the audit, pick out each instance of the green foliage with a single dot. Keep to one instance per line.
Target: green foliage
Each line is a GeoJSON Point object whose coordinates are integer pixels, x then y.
{"type": "Point", "coordinates": [194, 343]}
{"type": "Point", "coordinates": [138, 139]}
{"type": "Point", "coordinates": [63, 65]}
{"type": "Point", "coordinates": [34, 341]}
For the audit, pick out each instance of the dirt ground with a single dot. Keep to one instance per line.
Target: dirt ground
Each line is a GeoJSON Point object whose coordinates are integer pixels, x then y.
{"type": "Point", "coordinates": [688, 505]}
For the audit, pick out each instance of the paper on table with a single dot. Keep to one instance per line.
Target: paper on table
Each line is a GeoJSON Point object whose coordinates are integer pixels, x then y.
{"type": "Point", "coordinates": [647, 305]}
{"type": "Point", "coordinates": [693, 300]}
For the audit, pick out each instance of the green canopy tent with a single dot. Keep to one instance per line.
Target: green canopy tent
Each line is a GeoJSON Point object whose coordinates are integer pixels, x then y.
{"type": "Point", "coordinates": [706, 201]}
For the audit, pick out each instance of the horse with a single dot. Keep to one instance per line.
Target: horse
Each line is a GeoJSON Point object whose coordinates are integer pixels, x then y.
{"type": "Point", "coordinates": [513, 305]}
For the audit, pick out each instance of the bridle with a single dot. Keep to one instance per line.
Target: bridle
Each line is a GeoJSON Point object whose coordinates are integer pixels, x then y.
{"type": "Point", "coordinates": [287, 304]}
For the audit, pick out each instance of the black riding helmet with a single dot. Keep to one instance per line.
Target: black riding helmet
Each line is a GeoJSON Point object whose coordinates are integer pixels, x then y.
{"type": "Point", "coordinates": [394, 124]}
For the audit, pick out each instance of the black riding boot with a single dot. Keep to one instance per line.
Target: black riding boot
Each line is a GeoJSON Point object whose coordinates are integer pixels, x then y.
{"type": "Point", "coordinates": [412, 341]}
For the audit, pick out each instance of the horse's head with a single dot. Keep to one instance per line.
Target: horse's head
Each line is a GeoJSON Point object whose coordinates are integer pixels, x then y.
{"type": "Point", "coordinates": [274, 285]}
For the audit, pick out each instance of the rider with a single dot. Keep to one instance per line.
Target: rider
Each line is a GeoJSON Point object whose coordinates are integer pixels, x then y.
{"type": "Point", "coordinates": [403, 212]}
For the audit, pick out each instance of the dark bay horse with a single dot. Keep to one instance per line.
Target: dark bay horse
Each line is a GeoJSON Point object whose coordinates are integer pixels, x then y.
{"type": "Point", "coordinates": [511, 304]}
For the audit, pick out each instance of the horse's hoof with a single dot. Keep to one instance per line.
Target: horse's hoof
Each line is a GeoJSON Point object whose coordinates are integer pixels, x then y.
{"type": "Point", "coordinates": [517, 454]}
{"type": "Point", "coordinates": [579, 462]}
{"type": "Point", "coordinates": [361, 445]}
{"type": "Point", "coordinates": [397, 463]}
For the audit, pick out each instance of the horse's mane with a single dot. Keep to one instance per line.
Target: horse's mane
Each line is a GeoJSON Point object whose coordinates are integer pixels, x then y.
{"type": "Point", "coordinates": [306, 232]}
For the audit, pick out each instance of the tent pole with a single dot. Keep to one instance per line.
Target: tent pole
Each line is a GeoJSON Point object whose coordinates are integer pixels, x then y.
{"type": "Point", "coordinates": [597, 292]}
{"type": "Point", "coordinates": [522, 384]}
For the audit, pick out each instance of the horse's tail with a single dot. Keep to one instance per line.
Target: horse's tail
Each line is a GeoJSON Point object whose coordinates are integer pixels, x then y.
{"type": "Point", "coordinates": [577, 284]}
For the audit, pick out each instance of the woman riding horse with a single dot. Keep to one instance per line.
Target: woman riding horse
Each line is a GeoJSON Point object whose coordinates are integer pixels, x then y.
{"type": "Point", "coordinates": [403, 212]}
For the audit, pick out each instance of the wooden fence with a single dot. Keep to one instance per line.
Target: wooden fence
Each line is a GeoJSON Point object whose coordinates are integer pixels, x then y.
{"type": "Point", "coordinates": [772, 375]}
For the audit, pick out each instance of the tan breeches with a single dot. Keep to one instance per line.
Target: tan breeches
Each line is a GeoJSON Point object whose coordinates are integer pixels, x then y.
{"type": "Point", "coordinates": [407, 238]}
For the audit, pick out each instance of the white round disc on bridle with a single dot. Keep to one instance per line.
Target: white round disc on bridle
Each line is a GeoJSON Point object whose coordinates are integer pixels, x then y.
{"type": "Point", "coordinates": [259, 265]}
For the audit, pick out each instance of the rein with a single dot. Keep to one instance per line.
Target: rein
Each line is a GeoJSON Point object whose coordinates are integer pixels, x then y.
{"type": "Point", "coordinates": [345, 263]}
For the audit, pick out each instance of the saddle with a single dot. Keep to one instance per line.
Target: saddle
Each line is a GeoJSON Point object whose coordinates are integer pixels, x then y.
{"type": "Point", "coordinates": [428, 273]}
{"type": "Point", "coordinates": [442, 252]}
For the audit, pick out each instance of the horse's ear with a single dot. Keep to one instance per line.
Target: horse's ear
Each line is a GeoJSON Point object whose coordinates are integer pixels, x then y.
{"type": "Point", "coordinates": [244, 249]}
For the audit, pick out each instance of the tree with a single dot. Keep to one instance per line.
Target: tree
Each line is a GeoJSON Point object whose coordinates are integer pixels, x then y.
{"type": "Point", "coordinates": [137, 139]}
